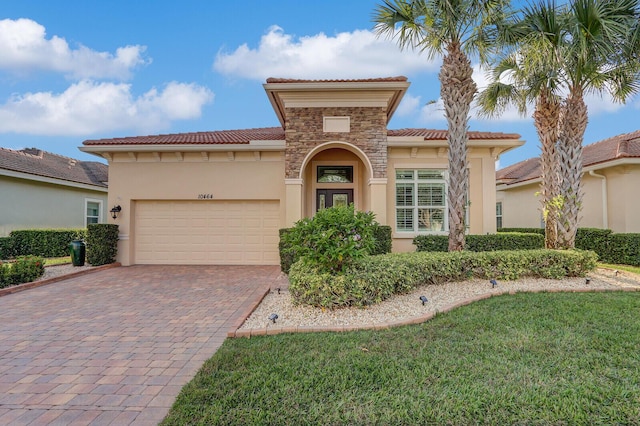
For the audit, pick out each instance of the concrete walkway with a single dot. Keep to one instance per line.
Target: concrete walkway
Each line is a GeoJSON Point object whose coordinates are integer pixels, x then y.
{"type": "Point", "coordinates": [116, 346]}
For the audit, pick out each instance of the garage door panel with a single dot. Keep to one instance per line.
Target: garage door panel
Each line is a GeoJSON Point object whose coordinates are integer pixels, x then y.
{"type": "Point", "coordinates": [207, 232]}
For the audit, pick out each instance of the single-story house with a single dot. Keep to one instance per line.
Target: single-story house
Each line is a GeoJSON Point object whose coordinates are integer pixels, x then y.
{"type": "Point", "coordinates": [39, 189]}
{"type": "Point", "coordinates": [611, 169]}
{"type": "Point", "coordinates": [220, 197]}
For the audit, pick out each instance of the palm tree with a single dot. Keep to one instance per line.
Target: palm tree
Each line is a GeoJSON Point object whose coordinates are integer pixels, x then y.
{"type": "Point", "coordinates": [532, 74]}
{"type": "Point", "coordinates": [599, 56]}
{"type": "Point", "coordinates": [456, 29]}
{"type": "Point", "coordinates": [587, 46]}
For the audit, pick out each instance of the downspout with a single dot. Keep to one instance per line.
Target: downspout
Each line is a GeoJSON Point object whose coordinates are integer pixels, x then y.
{"type": "Point", "coordinates": [605, 216]}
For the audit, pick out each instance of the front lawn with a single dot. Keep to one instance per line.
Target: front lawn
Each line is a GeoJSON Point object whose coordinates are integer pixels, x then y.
{"type": "Point", "coordinates": [52, 261]}
{"type": "Point", "coordinates": [627, 268]}
{"type": "Point", "coordinates": [546, 358]}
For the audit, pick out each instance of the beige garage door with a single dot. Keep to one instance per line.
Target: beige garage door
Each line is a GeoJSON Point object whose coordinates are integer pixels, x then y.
{"type": "Point", "coordinates": [207, 232]}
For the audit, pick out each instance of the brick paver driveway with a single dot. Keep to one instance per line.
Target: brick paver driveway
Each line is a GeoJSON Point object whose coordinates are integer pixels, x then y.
{"type": "Point", "coordinates": [116, 346]}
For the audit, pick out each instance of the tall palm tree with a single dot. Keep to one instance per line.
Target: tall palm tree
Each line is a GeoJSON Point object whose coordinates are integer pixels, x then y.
{"type": "Point", "coordinates": [455, 29]}
{"type": "Point", "coordinates": [600, 56]}
{"type": "Point", "coordinates": [586, 46]}
{"type": "Point", "coordinates": [531, 74]}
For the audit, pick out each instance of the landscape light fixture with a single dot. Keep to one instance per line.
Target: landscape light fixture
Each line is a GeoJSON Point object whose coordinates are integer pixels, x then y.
{"type": "Point", "coordinates": [423, 299]}
{"type": "Point", "coordinates": [273, 317]}
{"type": "Point", "coordinates": [587, 281]}
{"type": "Point", "coordinates": [494, 283]}
{"type": "Point", "coordinates": [115, 211]}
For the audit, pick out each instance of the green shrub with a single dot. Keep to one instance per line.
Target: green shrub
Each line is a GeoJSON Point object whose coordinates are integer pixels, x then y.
{"type": "Point", "coordinates": [623, 249]}
{"type": "Point", "coordinates": [23, 270]}
{"type": "Point", "coordinates": [102, 243]}
{"type": "Point", "coordinates": [288, 254]}
{"type": "Point", "coordinates": [431, 243]}
{"type": "Point", "coordinates": [489, 242]}
{"type": "Point", "coordinates": [44, 242]}
{"type": "Point", "coordinates": [523, 230]}
{"type": "Point", "coordinates": [373, 279]}
{"type": "Point", "coordinates": [6, 248]}
{"type": "Point", "coordinates": [381, 239]}
{"type": "Point", "coordinates": [332, 239]}
{"type": "Point", "coordinates": [594, 239]}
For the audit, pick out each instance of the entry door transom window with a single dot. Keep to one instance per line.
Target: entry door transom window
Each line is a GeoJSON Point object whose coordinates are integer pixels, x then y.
{"type": "Point", "coordinates": [335, 174]}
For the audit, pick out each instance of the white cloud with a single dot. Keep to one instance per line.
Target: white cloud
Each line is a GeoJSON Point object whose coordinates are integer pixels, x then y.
{"type": "Point", "coordinates": [408, 106]}
{"type": "Point", "coordinates": [89, 107]}
{"type": "Point", "coordinates": [25, 48]}
{"type": "Point", "coordinates": [357, 54]}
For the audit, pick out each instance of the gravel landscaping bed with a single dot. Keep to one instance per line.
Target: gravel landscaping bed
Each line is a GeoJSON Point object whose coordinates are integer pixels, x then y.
{"type": "Point", "coordinates": [58, 270]}
{"type": "Point", "coordinates": [407, 306]}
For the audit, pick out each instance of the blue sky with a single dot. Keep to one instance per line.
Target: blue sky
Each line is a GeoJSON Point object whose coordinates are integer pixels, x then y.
{"type": "Point", "coordinates": [72, 70]}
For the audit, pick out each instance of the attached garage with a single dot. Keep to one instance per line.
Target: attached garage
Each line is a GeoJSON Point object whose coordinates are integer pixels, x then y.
{"type": "Point", "coordinates": [207, 232]}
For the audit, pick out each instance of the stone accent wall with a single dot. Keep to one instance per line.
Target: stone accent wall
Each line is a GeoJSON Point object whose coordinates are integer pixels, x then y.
{"type": "Point", "coordinates": [303, 132]}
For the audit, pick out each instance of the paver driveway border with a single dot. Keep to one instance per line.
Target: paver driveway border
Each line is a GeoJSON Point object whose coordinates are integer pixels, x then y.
{"type": "Point", "coordinates": [117, 345]}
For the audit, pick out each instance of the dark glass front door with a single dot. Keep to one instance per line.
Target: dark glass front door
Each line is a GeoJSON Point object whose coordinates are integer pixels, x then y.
{"type": "Point", "coordinates": [326, 198]}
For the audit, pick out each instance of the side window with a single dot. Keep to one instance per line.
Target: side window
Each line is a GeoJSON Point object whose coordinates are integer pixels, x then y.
{"type": "Point", "coordinates": [499, 215]}
{"type": "Point", "coordinates": [92, 211]}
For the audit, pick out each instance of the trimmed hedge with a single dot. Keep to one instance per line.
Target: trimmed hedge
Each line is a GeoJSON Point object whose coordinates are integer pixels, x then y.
{"type": "Point", "coordinates": [523, 230]}
{"type": "Point", "coordinates": [41, 242]}
{"type": "Point", "coordinates": [6, 248]}
{"type": "Point", "coordinates": [25, 269]}
{"type": "Point", "coordinates": [102, 243]}
{"type": "Point", "coordinates": [489, 242]}
{"type": "Point", "coordinates": [375, 278]}
{"type": "Point", "coordinates": [288, 256]}
{"type": "Point", "coordinates": [382, 239]}
{"type": "Point", "coordinates": [622, 249]}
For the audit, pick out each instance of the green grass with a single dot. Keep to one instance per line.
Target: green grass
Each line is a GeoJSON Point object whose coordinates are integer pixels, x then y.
{"type": "Point", "coordinates": [51, 261]}
{"type": "Point", "coordinates": [538, 359]}
{"type": "Point", "coordinates": [632, 269]}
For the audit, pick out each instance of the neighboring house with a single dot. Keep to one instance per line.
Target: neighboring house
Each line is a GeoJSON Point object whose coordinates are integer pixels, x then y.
{"type": "Point", "coordinates": [611, 172]}
{"type": "Point", "coordinates": [220, 197]}
{"type": "Point", "coordinates": [39, 189]}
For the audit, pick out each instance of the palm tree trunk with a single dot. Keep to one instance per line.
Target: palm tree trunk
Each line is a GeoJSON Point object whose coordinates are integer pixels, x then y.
{"type": "Point", "coordinates": [573, 123]}
{"type": "Point", "coordinates": [457, 89]}
{"type": "Point", "coordinates": [546, 117]}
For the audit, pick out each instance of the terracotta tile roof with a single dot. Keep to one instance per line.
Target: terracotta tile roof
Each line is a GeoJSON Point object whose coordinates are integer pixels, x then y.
{"type": "Point", "coordinates": [215, 137]}
{"type": "Point", "coordinates": [267, 133]}
{"type": "Point", "coordinates": [626, 145]}
{"type": "Point", "coordinates": [431, 134]}
{"type": "Point", "coordinates": [41, 163]}
{"type": "Point", "coordinates": [363, 80]}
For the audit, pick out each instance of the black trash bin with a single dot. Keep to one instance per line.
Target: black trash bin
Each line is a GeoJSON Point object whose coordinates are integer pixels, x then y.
{"type": "Point", "coordinates": [77, 249]}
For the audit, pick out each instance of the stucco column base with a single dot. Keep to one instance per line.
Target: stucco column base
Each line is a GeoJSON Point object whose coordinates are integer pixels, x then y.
{"type": "Point", "coordinates": [378, 199]}
{"type": "Point", "coordinates": [293, 201]}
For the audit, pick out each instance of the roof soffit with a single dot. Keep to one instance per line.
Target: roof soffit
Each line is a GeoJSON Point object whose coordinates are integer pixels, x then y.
{"type": "Point", "coordinates": [335, 94]}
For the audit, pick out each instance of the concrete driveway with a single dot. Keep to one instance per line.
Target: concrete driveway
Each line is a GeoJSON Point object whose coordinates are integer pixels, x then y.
{"type": "Point", "coordinates": [116, 346]}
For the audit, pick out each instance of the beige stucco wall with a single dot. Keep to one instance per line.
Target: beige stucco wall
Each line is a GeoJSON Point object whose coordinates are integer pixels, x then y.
{"type": "Point", "coordinates": [521, 207]}
{"type": "Point", "coordinates": [254, 175]}
{"type": "Point", "coordinates": [223, 176]}
{"type": "Point", "coordinates": [481, 188]}
{"type": "Point", "coordinates": [26, 204]}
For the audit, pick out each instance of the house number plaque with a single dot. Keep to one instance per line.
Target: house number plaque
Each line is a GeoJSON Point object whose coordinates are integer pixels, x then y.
{"type": "Point", "coordinates": [205, 196]}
